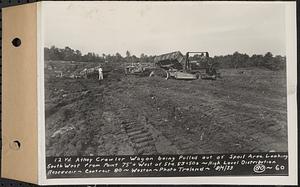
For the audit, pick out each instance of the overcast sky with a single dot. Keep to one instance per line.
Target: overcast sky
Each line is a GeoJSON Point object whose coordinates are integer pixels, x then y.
{"type": "Point", "coordinates": [154, 28]}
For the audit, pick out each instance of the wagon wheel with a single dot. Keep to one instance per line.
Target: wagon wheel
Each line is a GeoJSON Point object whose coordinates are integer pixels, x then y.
{"type": "Point", "coordinates": [167, 74]}
{"type": "Point", "coordinates": [160, 73]}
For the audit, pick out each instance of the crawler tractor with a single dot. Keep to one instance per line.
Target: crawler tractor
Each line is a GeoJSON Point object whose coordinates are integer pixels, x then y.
{"type": "Point", "coordinates": [193, 65]}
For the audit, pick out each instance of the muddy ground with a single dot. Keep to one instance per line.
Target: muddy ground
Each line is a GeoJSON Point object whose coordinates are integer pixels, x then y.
{"type": "Point", "coordinates": [245, 111]}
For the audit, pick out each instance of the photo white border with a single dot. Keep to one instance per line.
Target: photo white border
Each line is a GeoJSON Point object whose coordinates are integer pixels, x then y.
{"type": "Point", "coordinates": [41, 93]}
{"type": "Point", "coordinates": [291, 54]}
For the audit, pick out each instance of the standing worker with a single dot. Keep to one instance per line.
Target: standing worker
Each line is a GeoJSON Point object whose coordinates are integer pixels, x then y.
{"type": "Point", "coordinates": [100, 74]}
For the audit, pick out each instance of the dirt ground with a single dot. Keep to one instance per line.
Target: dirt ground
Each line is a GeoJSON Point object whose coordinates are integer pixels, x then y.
{"type": "Point", "coordinates": [244, 111]}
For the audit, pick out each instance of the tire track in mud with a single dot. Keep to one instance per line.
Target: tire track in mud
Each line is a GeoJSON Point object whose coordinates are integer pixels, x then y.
{"type": "Point", "coordinates": [239, 126]}
{"type": "Point", "coordinates": [143, 133]}
{"type": "Point", "coordinates": [225, 129]}
{"type": "Point", "coordinates": [136, 131]}
{"type": "Point", "coordinates": [140, 138]}
{"type": "Point", "coordinates": [176, 131]}
{"type": "Point", "coordinates": [150, 116]}
{"type": "Point", "coordinates": [139, 122]}
{"type": "Point", "coordinates": [133, 130]}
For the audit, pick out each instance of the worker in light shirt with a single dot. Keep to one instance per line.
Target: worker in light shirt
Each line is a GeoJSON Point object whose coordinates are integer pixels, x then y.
{"type": "Point", "coordinates": [100, 75]}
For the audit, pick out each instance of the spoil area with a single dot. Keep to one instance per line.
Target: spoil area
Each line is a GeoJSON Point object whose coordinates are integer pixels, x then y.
{"type": "Point", "coordinates": [244, 111]}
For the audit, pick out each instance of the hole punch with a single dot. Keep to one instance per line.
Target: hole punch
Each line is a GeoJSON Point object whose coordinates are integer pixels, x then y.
{"type": "Point", "coordinates": [15, 145]}
{"type": "Point", "coordinates": [16, 42]}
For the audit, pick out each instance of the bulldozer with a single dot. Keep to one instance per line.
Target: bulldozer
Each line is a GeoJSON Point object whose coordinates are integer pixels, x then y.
{"type": "Point", "coordinates": [193, 65]}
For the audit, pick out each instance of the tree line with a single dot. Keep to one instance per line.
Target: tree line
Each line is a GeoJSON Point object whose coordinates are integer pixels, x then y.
{"type": "Point", "coordinates": [238, 60]}
{"type": "Point", "coordinates": [69, 54]}
{"type": "Point", "coordinates": [235, 60]}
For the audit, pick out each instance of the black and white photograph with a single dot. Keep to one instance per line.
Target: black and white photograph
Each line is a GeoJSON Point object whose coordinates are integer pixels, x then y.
{"type": "Point", "coordinates": [165, 78]}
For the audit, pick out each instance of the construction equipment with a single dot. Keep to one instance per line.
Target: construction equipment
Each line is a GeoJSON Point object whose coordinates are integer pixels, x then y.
{"type": "Point", "coordinates": [141, 69]}
{"type": "Point", "coordinates": [133, 68]}
{"type": "Point", "coordinates": [192, 66]}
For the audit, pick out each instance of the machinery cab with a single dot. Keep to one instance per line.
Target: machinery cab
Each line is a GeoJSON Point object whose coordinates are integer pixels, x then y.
{"type": "Point", "coordinates": [200, 62]}
{"type": "Point", "coordinates": [197, 60]}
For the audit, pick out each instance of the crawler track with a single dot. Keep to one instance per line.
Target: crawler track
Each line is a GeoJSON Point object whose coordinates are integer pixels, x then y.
{"type": "Point", "coordinates": [140, 138]}
{"type": "Point", "coordinates": [141, 115]}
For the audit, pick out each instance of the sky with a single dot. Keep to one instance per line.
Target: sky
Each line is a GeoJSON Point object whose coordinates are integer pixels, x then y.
{"type": "Point", "coordinates": [155, 28]}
